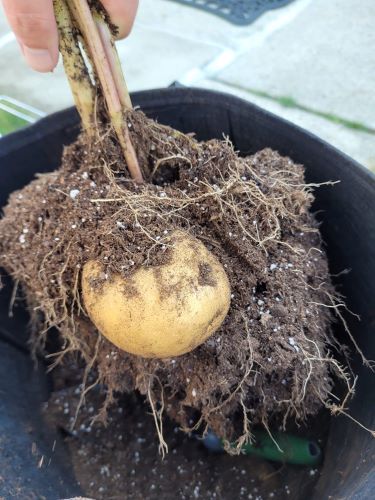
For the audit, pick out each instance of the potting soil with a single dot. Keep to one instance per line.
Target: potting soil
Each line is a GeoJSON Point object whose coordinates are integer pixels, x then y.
{"type": "Point", "coordinates": [270, 363]}
{"type": "Point", "coordinates": [121, 460]}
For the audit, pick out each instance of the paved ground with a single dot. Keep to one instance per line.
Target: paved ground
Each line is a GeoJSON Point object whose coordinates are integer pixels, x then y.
{"type": "Point", "coordinates": [311, 62]}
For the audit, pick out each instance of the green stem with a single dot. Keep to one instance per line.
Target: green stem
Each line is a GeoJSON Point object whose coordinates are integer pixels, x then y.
{"type": "Point", "coordinates": [74, 65]}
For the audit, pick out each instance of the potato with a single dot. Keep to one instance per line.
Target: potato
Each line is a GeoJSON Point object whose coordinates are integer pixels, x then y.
{"type": "Point", "coordinates": [160, 311]}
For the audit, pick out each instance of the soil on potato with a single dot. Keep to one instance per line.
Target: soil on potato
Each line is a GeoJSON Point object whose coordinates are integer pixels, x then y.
{"type": "Point", "coordinates": [271, 362]}
{"type": "Point", "coordinates": [122, 460]}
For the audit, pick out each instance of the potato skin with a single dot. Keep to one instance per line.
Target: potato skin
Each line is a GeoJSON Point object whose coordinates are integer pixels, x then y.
{"type": "Point", "coordinates": [161, 311]}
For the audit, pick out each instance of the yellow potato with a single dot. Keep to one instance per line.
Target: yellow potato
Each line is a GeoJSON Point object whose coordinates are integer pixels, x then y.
{"type": "Point", "coordinates": [160, 311]}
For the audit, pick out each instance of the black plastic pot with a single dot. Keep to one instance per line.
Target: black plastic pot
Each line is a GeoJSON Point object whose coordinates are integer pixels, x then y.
{"type": "Point", "coordinates": [347, 212]}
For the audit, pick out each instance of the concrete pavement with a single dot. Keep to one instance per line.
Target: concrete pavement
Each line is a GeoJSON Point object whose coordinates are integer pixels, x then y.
{"type": "Point", "coordinates": [311, 62]}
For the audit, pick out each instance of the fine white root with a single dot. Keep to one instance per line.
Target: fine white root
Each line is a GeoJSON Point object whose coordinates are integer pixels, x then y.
{"type": "Point", "coordinates": [158, 417]}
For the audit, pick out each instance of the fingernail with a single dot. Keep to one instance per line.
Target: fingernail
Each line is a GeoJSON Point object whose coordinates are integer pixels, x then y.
{"type": "Point", "coordinates": [38, 59]}
{"type": "Point", "coordinates": [122, 28]}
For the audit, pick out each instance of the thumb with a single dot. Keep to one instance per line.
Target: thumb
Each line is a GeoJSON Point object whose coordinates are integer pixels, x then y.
{"type": "Point", "coordinates": [34, 25]}
{"type": "Point", "coordinates": [122, 14]}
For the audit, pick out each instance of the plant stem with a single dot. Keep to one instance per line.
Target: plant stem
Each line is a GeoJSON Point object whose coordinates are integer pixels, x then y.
{"type": "Point", "coordinates": [99, 46]}
{"type": "Point", "coordinates": [75, 68]}
{"type": "Point", "coordinates": [113, 61]}
{"type": "Point", "coordinates": [98, 49]}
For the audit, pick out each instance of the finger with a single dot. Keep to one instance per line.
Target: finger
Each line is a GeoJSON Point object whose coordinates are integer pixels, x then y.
{"type": "Point", "coordinates": [122, 14]}
{"type": "Point", "coordinates": [33, 23]}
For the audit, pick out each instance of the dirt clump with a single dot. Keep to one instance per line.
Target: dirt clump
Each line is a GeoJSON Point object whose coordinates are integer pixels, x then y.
{"type": "Point", "coordinates": [271, 359]}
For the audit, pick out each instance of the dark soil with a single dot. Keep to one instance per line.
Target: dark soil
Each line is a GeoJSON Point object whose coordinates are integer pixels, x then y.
{"type": "Point", "coordinates": [122, 460]}
{"type": "Point", "coordinates": [270, 362]}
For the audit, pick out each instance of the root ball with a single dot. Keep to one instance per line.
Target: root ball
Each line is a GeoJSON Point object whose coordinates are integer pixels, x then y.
{"type": "Point", "coordinates": [270, 362]}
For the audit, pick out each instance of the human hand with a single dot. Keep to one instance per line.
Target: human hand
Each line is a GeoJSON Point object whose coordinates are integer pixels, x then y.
{"type": "Point", "coordinates": [33, 23]}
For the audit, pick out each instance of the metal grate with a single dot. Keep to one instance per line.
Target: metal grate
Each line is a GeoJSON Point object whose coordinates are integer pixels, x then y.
{"type": "Point", "coordinates": [240, 12]}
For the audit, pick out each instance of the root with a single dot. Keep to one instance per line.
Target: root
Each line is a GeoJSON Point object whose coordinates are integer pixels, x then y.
{"type": "Point", "coordinates": [365, 361]}
{"type": "Point", "coordinates": [265, 425]}
{"type": "Point", "coordinates": [246, 436]}
{"type": "Point", "coordinates": [12, 298]}
{"type": "Point", "coordinates": [340, 409]}
{"type": "Point", "coordinates": [85, 388]}
{"type": "Point", "coordinates": [337, 410]}
{"type": "Point", "coordinates": [336, 305]}
{"type": "Point", "coordinates": [158, 415]}
{"type": "Point", "coordinates": [235, 192]}
{"type": "Point", "coordinates": [248, 371]}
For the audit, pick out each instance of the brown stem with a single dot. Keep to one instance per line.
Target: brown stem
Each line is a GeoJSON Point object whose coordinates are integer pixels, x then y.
{"type": "Point", "coordinates": [99, 45]}
{"type": "Point", "coordinates": [113, 60]}
{"type": "Point", "coordinates": [75, 22]}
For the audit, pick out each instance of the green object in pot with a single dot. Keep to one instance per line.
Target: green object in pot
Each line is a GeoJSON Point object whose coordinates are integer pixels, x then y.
{"type": "Point", "coordinates": [284, 448]}
{"type": "Point", "coordinates": [280, 447]}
